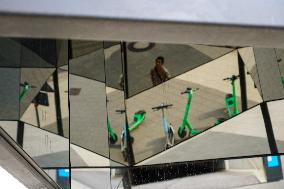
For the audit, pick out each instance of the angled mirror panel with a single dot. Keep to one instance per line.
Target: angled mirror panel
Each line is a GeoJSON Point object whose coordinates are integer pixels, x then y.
{"type": "Point", "coordinates": [243, 135]}
{"type": "Point", "coordinates": [91, 178]}
{"type": "Point", "coordinates": [17, 163]}
{"type": "Point", "coordinates": [99, 178]}
{"type": "Point", "coordinates": [41, 111]}
{"type": "Point", "coordinates": [47, 149]}
{"type": "Point", "coordinates": [115, 101]}
{"type": "Point", "coordinates": [10, 128]}
{"type": "Point", "coordinates": [116, 123]}
{"type": "Point", "coordinates": [247, 55]}
{"type": "Point", "coordinates": [88, 126]}
{"type": "Point", "coordinates": [38, 53]}
{"type": "Point", "coordinates": [113, 65]}
{"type": "Point", "coordinates": [63, 94]}
{"type": "Point", "coordinates": [193, 110]}
{"type": "Point", "coordinates": [120, 178]}
{"type": "Point", "coordinates": [10, 103]}
{"type": "Point", "coordinates": [62, 53]}
{"type": "Point", "coordinates": [252, 84]}
{"type": "Point", "coordinates": [87, 59]}
{"type": "Point", "coordinates": [87, 95]}
{"type": "Point", "coordinates": [10, 47]}
{"type": "Point", "coordinates": [280, 60]}
{"type": "Point", "coordinates": [81, 157]}
{"type": "Point", "coordinates": [45, 111]}
{"type": "Point", "coordinates": [88, 114]}
{"type": "Point", "coordinates": [60, 176]}
{"type": "Point", "coordinates": [32, 83]}
{"type": "Point", "coordinates": [148, 132]}
{"type": "Point", "coordinates": [28, 53]}
{"type": "Point", "coordinates": [269, 73]}
{"type": "Point", "coordinates": [276, 109]}
{"type": "Point", "coordinates": [177, 59]}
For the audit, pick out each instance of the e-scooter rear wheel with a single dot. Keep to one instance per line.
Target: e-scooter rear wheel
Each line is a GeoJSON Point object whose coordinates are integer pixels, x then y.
{"type": "Point", "coordinates": [171, 138]}
{"type": "Point", "coordinates": [113, 138]}
{"type": "Point", "coordinates": [182, 132]}
{"type": "Point", "coordinates": [124, 153]}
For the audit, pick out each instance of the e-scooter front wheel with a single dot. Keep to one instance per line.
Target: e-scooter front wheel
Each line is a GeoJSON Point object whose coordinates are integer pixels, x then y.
{"type": "Point", "coordinates": [182, 132]}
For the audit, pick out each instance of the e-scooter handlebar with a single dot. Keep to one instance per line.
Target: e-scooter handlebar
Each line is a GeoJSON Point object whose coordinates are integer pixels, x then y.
{"type": "Point", "coordinates": [120, 111]}
{"type": "Point", "coordinates": [162, 107]}
{"type": "Point", "coordinates": [188, 89]}
{"type": "Point", "coordinates": [26, 84]}
{"type": "Point", "coordinates": [232, 78]}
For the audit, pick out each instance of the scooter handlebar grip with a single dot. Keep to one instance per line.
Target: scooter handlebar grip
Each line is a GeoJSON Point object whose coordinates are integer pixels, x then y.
{"type": "Point", "coordinates": [120, 111]}
{"type": "Point", "coordinates": [163, 106]}
{"type": "Point", "coordinates": [168, 105]}
{"type": "Point", "coordinates": [156, 108]}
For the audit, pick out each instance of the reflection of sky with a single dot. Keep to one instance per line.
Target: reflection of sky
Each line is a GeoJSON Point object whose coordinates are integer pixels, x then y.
{"type": "Point", "coordinates": [272, 161]}
{"type": "Point", "coordinates": [63, 172]}
{"type": "Point", "coordinates": [218, 11]}
{"type": "Point", "coordinates": [8, 180]}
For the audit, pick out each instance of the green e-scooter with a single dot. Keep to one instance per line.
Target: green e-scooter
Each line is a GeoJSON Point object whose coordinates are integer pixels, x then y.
{"type": "Point", "coordinates": [231, 99]}
{"type": "Point", "coordinates": [111, 134]}
{"type": "Point", "coordinates": [138, 118]}
{"type": "Point", "coordinates": [185, 123]}
{"type": "Point", "coordinates": [26, 87]}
